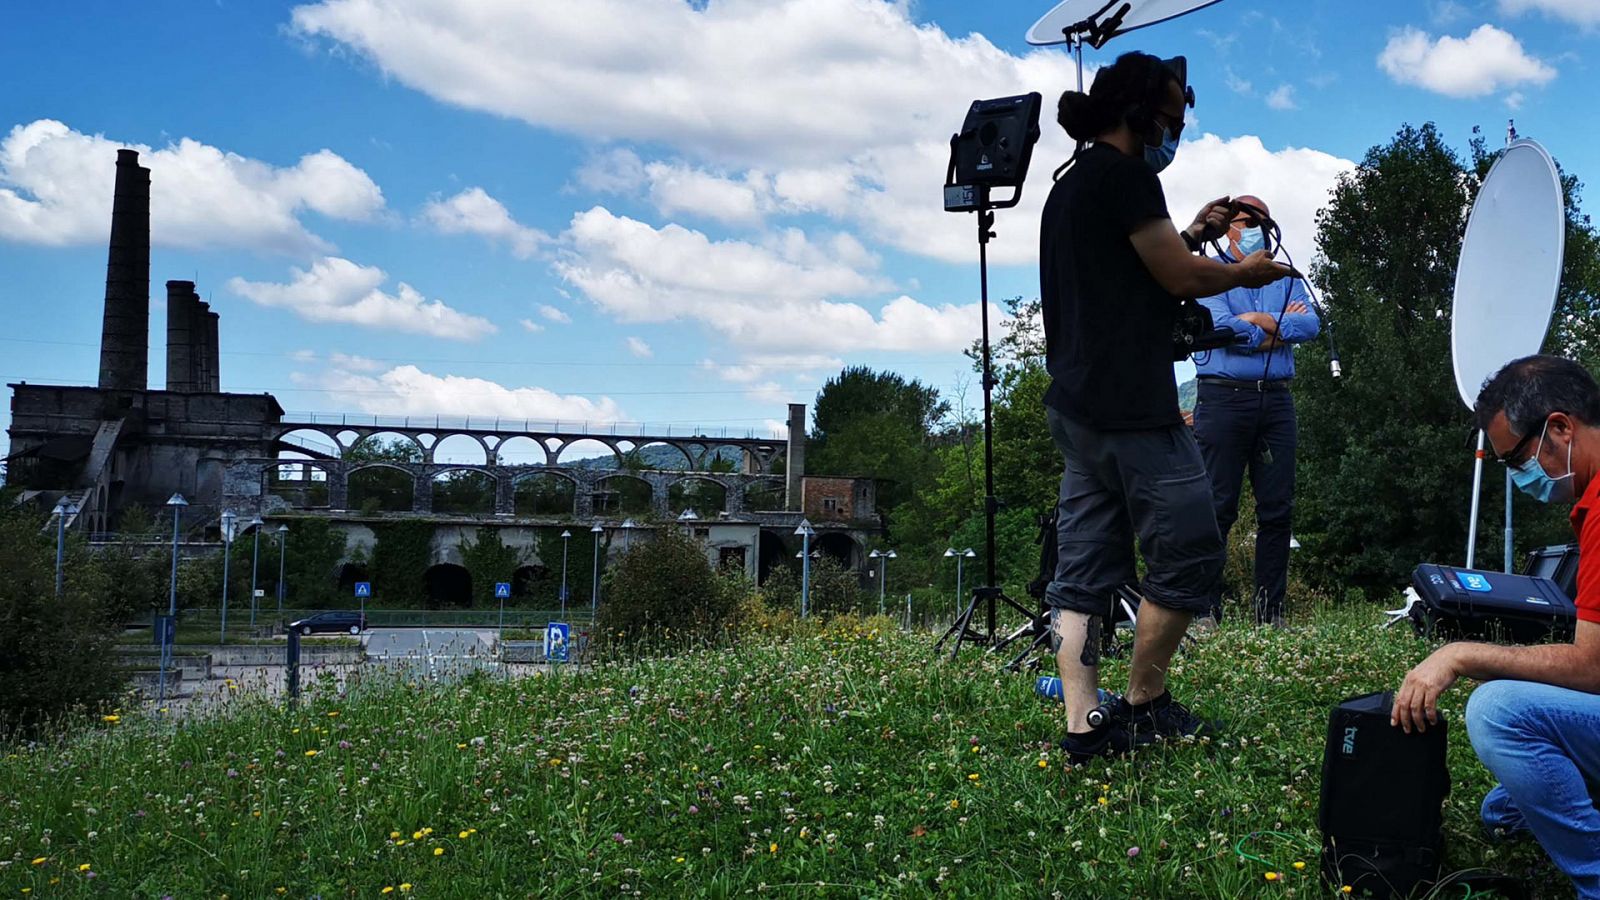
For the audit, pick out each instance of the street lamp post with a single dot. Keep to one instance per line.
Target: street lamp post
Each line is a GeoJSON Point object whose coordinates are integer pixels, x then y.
{"type": "Point", "coordinates": [566, 537]}
{"type": "Point", "coordinates": [283, 553]}
{"type": "Point", "coordinates": [883, 573]}
{"type": "Point", "coordinates": [688, 517]}
{"type": "Point", "coordinates": [805, 531]}
{"type": "Point", "coordinates": [959, 557]}
{"type": "Point", "coordinates": [255, 566]}
{"type": "Point", "coordinates": [627, 530]}
{"type": "Point", "coordinates": [594, 590]}
{"type": "Point", "coordinates": [177, 503]}
{"type": "Point", "coordinates": [63, 509]}
{"type": "Point", "coordinates": [228, 520]}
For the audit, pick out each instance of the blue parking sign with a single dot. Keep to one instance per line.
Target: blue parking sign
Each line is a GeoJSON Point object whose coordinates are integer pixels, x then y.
{"type": "Point", "coordinates": [556, 635]}
{"type": "Point", "coordinates": [363, 589]}
{"type": "Point", "coordinates": [502, 590]}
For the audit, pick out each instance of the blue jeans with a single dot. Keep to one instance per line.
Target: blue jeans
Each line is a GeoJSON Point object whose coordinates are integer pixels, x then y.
{"type": "Point", "coordinates": [1543, 743]}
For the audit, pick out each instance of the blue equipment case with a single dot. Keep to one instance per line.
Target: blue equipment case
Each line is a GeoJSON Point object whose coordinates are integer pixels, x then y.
{"type": "Point", "coordinates": [1468, 603]}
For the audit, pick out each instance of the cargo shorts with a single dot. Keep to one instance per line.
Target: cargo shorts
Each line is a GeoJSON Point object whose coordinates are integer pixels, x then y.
{"type": "Point", "coordinates": [1118, 485]}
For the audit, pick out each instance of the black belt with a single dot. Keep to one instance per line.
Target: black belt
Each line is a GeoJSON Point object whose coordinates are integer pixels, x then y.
{"type": "Point", "coordinates": [1277, 384]}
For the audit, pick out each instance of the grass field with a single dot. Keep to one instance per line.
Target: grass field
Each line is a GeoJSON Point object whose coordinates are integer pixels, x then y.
{"type": "Point", "coordinates": [841, 764]}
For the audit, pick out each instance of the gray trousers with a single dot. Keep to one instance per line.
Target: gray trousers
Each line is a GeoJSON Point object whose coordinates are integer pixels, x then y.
{"type": "Point", "coordinates": [1116, 485]}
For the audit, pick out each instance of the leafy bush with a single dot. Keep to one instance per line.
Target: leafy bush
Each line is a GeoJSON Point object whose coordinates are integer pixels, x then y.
{"type": "Point", "coordinates": [55, 655]}
{"type": "Point", "coordinates": [835, 590]}
{"type": "Point", "coordinates": [666, 583]}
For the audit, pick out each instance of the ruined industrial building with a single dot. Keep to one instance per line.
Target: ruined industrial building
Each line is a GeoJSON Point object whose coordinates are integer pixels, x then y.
{"type": "Point", "coordinates": [121, 443]}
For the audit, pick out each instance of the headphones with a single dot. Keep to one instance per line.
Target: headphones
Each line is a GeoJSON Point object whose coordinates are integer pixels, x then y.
{"type": "Point", "coordinates": [1141, 118]}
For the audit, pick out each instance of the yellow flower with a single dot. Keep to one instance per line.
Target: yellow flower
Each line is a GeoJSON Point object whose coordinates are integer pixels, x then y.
{"type": "Point", "coordinates": [112, 719]}
{"type": "Point", "coordinates": [27, 890]}
{"type": "Point", "coordinates": [388, 889]}
{"type": "Point", "coordinates": [393, 835]}
{"type": "Point", "coordinates": [1298, 865]}
{"type": "Point", "coordinates": [295, 731]}
{"type": "Point", "coordinates": [40, 860]}
{"type": "Point", "coordinates": [416, 835]}
{"type": "Point", "coordinates": [955, 804]}
{"type": "Point", "coordinates": [405, 888]}
{"type": "Point", "coordinates": [281, 889]}
{"type": "Point", "coordinates": [1043, 764]}
{"type": "Point", "coordinates": [427, 831]}
{"type": "Point", "coordinates": [555, 761]}
{"type": "Point", "coordinates": [400, 843]}
{"type": "Point", "coordinates": [1104, 801]}
{"type": "Point", "coordinates": [677, 859]}
{"type": "Point", "coordinates": [438, 851]}
{"type": "Point", "coordinates": [463, 835]}
{"type": "Point", "coordinates": [256, 813]}
{"type": "Point", "coordinates": [1272, 876]}
{"type": "Point", "coordinates": [973, 777]}
{"type": "Point", "coordinates": [83, 868]}
{"type": "Point", "coordinates": [311, 753]}
{"type": "Point", "coordinates": [773, 847]}
{"type": "Point", "coordinates": [333, 714]}
{"type": "Point", "coordinates": [1346, 889]}
{"type": "Point", "coordinates": [461, 746]}
{"type": "Point", "coordinates": [975, 748]}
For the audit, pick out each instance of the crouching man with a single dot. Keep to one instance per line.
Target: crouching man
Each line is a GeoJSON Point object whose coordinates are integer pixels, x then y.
{"type": "Point", "coordinates": [1536, 722]}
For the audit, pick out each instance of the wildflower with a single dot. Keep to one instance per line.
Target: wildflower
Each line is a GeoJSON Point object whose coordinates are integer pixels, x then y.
{"type": "Point", "coordinates": [1298, 865]}
{"type": "Point", "coordinates": [1043, 764]}
{"type": "Point", "coordinates": [1272, 876]}
{"type": "Point", "coordinates": [1104, 801]}
{"type": "Point", "coordinates": [617, 836]}
{"type": "Point", "coordinates": [113, 719]}
{"type": "Point", "coordinates": [393, 835]}
{"type": "Point", "coordinates": [405, 888]}
{"type": "Point", "coordinates": [463, 835]}
{"type": "Point", "coordinates": [973, 777]}
{"type": "Point", "coordinates": [438, 851]}
{"type": "Point", "coordinates": [387, 889]}
{"type": "Point", "coordinates": [1132, 852]}
{"type": "Point", "coordinates": [311, 753]}
{"type": "Point", "coordinates": [416, 835]}
{"type": "Point", "coordinates": [40, 860]}
{"type": "Point", "coordinates": [677, 859]}
{"type": "Point", "coordinates": [333, 714]}
{"type": "Point", "coordinates": [281, 889]}
{"type": "Point", "coordinates": [773, 847]}
{"type": "Point", "coordinates": [1346, 889]}
{"type": "Point", "coordinates": [83, 868]}
{"type": "Point", "coordinates": [955, 804]}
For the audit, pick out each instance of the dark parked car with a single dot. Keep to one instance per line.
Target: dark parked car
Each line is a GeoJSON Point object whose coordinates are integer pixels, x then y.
{"type": "Point", "coordinates": [352, 622]}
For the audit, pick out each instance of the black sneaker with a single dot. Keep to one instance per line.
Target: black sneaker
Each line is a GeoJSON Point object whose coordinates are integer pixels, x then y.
{"type": "Point", "coordinates": [1110, 739]}
{"type": "Point", "coordinates": [1166, 719]}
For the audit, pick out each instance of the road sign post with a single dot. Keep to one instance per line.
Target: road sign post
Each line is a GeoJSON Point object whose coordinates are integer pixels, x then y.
{"type": "Point", "coordinates": [363, 593]}
{"type": "Point", "coordinates": [556, 635]}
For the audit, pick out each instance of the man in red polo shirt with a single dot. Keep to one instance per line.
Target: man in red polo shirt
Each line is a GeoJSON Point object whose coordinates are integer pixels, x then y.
{"type": "Point", "coordinates": [1535, 722]}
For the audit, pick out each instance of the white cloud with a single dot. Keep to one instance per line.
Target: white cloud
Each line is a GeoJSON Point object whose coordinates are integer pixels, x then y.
{"type": "Point", "coordinates": [473, 211]}
{"type": "Point", "coordinates": [338, 290]}
{"type": "Point", "coordinates": [796, 81]}
{"type": "Point", "coordinates": [639, 348]}
{"type": "Point", "coordinates": [1282, 98]}
{"type": "Point", "coordinates": [407, 390]}
{"type": "Point", "coordinates": [353, 363]}
{"type": "Point", "coordinates": [1485, 61]}
{"type": "Point", "coordinates": [771, 297]}
{"type": "Point", "coordinates": [1237, 84]}
{"type": "Point", "coordinates": [530, 326]}
{"type": "Point", "coordinates": [1579, 12]}
{"type": "Point", "coordinates": [680, 189]}
{"type": "Point", "coordinates": [1294, 182]}
{"type": "Point", "coordinates": [554, 314]}
{"type": "Point", "coordinates": [56, 186]}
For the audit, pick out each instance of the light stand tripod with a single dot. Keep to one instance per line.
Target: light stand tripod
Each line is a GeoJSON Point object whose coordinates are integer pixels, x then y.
{"type": "Point", "coordinates": [988, 595]}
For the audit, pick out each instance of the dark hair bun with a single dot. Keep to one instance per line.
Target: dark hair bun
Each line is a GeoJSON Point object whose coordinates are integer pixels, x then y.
{"type": "Point", "coordinates": [1082, 117]}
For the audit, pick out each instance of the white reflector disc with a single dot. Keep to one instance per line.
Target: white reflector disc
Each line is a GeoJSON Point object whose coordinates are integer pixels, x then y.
{"type": "Point", "coordinates": [1141, 14]}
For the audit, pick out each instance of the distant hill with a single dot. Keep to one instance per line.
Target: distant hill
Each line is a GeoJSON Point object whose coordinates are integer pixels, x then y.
{"type": "Point", "coordinates": [1186, 395]}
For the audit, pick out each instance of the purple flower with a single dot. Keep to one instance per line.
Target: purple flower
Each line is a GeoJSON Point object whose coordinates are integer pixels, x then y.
{"type": "Point", "coordinates": [374, 767]}
{"type": "Point", "coordinates": [617, 836]}
{"type": "Point", "coordinates": [279, 754]}
{"type": "Point", "coordinates": [1132, 852]}
{"type": "Point", "coordinates": [693, 809]}
{"type": "Point", "coordinates": [344, 745]}
{"type": "Point", "coordinates": [233, 773]}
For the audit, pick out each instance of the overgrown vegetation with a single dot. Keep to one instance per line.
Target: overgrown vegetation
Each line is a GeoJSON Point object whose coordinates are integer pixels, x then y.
{"type": "Point", "coordinates": [666, 583]}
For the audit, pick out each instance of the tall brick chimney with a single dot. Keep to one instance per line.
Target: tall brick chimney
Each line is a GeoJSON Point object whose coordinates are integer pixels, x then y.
{"type": "Point", "coordinates": [212, 380]}
{"type": "Point", "coordinates": [125, 330]}
{"type": "Point", "coordinates": [181, 343]}
{"type": "Point", "coordinates": [794, 460]}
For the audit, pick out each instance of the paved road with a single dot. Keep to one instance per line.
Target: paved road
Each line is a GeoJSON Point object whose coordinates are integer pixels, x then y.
{"type": "Point", "coordinates": [428, 642]}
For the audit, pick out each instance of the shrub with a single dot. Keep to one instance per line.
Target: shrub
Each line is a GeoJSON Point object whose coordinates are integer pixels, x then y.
{"type": "Point", "coordinates": [666, 583]}
{"type": "Point", "coordinates": [835, 590]}
{"type": "Point", "coordinates": [55, 655]}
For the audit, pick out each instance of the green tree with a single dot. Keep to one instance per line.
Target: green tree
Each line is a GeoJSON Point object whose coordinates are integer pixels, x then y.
{"type": "Point", "coordinates": [55, 654]}
{"type": "Point", "coordinates": [488, 559]}
{"type": "Point", "coordinates": [1384, 456]}
{"type": "Point", "coordinates": [665, 582]}
{"type": "Point", "coordinates": [878, 425]}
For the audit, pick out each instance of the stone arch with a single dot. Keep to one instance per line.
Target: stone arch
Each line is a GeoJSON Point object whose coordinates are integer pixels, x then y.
{"type": "Point", "coordinates": [545, 494]}
{"type": "Point", "coordinates": [622, 495]}
{"type": "Point", "coordinates": [766, 494]}
{"type": "Point", "coordinates": [303, 482]}
{"type": "Point", "coordinates": [706, 496]}
{"type": "Point", "coordinates": [461, 449]}
{"type": "Point", "coordinates": [349, 574]}
{"type": "Point", "coordinates": [521, 450]}
{"type": "Point", "coordinates": [447, 585]}
{"type": "Point", "coordinates": [309, 443]}
{"type": "Point", "coordinates": [387, 446]}
{"type": "Point", "coordinates": [381, 487]}
{"type": "Point", "coordinates": [578, 452]}
{"type": "Point", "coordinates": [729, 458]}
{"type": "Point", "coordinates": [464, 491]}
{"type": "Point", "coordinates": [668, 456]}
{"type": "Point", "coordinates": [840, 546]}
{"type": "Point", "coordinates": [771, 552]}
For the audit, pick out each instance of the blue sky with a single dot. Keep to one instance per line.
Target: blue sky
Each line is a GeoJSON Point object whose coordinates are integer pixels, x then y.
{"type": "Point", "coordinates": [650, 210]}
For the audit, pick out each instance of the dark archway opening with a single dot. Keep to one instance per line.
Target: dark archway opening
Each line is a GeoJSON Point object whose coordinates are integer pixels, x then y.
{"type": "Point", "coordinates": [545, 494]}
{"type": "Point", "coordinates": [773, 555]}
{"type": "Point", "coordinates": [349, 575]}
{"type": "Point", "coordinates": [381, 489]}
{"type": "Point", "coordinates": [838, 546]}
{"type": "Point", "coordinates": [447, 585]}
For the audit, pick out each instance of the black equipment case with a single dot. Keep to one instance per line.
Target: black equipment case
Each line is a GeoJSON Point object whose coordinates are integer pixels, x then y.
{"type": "Point", "coordinates": [1468, 603]}
{"type": "Point", "coordinates": [1383, 793]}
{"type": "Point", "coordinates": [1559, 563]}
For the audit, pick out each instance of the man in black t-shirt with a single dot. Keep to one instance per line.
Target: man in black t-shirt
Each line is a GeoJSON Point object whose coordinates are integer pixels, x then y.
{"type": "Point", "coordinates": [1112, 270]}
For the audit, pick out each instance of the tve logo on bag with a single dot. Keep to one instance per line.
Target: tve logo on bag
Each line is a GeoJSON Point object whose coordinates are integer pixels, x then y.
{"type": "Point", "coordinates": [1350, 741]}
{"type": "Point", "coordinates": [1473, 581]}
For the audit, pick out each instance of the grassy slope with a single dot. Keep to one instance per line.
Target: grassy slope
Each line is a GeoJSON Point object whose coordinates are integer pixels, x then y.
{"type": "Point", "coordinates": [846, 759]}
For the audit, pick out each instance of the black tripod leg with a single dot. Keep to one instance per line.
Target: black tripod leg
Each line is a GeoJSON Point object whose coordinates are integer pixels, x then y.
{"type": "Point", "coordinates": [1039, 640]}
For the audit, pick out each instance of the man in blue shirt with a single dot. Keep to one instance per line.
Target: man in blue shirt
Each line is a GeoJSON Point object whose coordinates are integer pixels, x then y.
{"type": "Point", "coordinates": [1244, 415]}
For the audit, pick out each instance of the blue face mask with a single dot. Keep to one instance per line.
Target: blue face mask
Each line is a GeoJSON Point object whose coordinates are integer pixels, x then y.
{"type": "Point", "coordinates": [1531, 478]}
{"type": "Point", "coordinates": [1250, 240]}
{"type": "Point", "coordinates": [1160, 157]}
